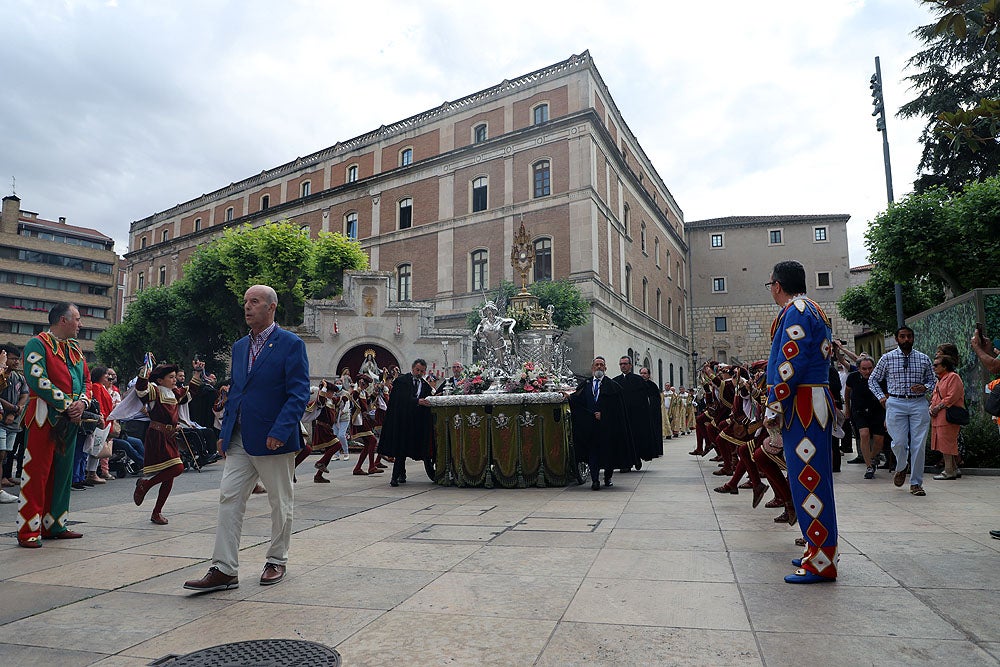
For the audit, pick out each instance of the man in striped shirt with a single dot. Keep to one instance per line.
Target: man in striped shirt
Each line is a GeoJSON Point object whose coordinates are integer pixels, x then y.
{"type": "Point", "coordinates": [910, 379]}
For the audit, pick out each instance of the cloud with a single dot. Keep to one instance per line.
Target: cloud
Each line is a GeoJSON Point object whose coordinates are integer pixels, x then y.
{"type": "Point", "coordinates": [116, 111]}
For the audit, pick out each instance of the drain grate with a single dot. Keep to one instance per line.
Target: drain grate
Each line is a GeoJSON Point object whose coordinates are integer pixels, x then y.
{"type": "Point", "coordinates": [258, 653]}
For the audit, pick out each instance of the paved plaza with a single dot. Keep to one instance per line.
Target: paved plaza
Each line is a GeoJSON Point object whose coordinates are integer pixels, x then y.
{"type": "Point", "coordinates": [658, 570]}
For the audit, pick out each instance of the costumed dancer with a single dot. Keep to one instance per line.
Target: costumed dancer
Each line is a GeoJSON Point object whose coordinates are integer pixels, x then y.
{"type": "Point", "coordinates": [363, 427]}
{"type": "Point", "coordinates": [324, 438]}
{"type": "Point", "coordinates": [156, 388]}
{"type": "Point", "coordinates": [58, 383]}
{"type": "Point", "coordinates": [799, 400]}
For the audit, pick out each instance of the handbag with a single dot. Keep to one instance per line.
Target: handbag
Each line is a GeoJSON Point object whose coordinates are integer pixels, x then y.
{"type": "Point", "coordinates": [956, 415]}
{"type": "Point", "coordinates": [97, 444]}
{"type": "Point", "coordinates": [992, 403]}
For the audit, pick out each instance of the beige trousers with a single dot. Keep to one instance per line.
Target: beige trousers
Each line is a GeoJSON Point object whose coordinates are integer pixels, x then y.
{"type": "Point", "coordinates": [238, 479]}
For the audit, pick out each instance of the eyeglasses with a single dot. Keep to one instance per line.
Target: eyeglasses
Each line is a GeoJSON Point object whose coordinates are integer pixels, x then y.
{"type": "Point", "coordinates": [768, 284]}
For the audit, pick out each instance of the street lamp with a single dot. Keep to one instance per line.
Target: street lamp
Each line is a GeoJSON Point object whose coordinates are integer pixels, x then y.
{"type": "Point", "coordinates": [878, 101]}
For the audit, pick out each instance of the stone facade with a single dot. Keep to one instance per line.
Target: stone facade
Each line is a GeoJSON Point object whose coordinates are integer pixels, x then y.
{"type": "Point", "coordinates": [423, 194]}
{"type": "Point", "coordinates": [367, 316]}
{"type": "Point", "coordinates": [44, 262]}
{"type": "Point", "coordinates": [732, 258]}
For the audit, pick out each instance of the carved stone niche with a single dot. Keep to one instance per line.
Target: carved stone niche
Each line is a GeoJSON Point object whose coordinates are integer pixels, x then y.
{"type": "Point", "coordinates": [369, 297]}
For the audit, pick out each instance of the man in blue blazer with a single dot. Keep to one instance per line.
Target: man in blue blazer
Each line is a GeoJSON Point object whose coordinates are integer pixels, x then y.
{"type": "Point", "coordinates": [259, 439]}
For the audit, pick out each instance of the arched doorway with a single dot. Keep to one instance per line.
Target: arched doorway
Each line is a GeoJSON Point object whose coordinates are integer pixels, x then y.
{"type": "Point", "coordinates": [353, 358]}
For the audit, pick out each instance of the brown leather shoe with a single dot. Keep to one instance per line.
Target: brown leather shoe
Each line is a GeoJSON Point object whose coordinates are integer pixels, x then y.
{"type": "Point", "coordinates": [140, 491]}
{"type": "Point", "coordinates": [272, 574]}
{"type": "Point", "coordinates": [758, 493]}
{"type": "Point", "coordinates": [215, 580]}
{"type": "Point", "coordinates": [899, 478]}
{"type": "Point", "coordinates": [63, 535]}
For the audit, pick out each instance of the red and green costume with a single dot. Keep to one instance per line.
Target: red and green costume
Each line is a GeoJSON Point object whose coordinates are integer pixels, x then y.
{"type": "Point", "coordinates": [57, 376]}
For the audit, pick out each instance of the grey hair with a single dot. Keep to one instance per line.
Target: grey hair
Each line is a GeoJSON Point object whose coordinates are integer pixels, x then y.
{"type": "Point", "coordinates": [272, 296]}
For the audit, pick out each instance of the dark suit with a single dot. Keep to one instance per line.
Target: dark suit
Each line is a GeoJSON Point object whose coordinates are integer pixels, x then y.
{"type": "Point", "coordinates": [407, 429]}
{"type": "Point", "coordinates": [601, 442]}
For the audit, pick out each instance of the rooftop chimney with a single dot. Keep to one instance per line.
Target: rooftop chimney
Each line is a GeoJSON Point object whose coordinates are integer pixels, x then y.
{"type": "Point", "coordinates": [62, 220]}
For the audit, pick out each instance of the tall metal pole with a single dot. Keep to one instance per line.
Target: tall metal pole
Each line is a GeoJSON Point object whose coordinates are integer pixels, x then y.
{"type": "Point", "coordinates": [879, 102]}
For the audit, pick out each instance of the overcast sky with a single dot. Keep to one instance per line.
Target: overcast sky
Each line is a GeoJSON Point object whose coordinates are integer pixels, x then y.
{"type": "Point", "coordinates": [113, 111]}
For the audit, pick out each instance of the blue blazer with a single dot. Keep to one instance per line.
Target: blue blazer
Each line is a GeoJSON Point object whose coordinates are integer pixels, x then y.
{"type": "Point", "coordinates": [271, 399]}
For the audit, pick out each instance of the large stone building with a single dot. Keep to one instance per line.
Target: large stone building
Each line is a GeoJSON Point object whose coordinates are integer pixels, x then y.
{"type": "Point", "coordinates": [43, 262]}
{"type": "Point", "coordinates": [435, 199]}
{"type": "Point", "coordinates": [732, 258]}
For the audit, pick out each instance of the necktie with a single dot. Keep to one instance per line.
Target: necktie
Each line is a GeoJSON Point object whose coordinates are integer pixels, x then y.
{"type": "Point", "coordinates": [416, 387]}
{"type": "Point", "coordinates": [597, 389]}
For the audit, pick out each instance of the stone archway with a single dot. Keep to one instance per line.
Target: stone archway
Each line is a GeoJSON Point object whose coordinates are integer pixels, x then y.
{"type": "Point", "coordinates": [353, 358]}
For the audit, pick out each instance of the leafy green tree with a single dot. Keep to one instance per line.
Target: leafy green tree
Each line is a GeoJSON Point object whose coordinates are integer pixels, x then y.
{"type": "Point", "coordinates": [958, 85]}
{"type": "Point", "coordinates": [332, 254]}
{"type": "Point", "coordinates": [149, 325]}
{"type": "Point", "coordinates": [202, 312]}
{"type": "Point", "coordinates": [874, 303]}
{"type": "Point", "coordinates": [571, 309]}
{"type": "Point", "coordinates": [949, 239]}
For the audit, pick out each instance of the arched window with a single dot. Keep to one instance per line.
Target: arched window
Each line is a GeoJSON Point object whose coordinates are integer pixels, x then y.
{"type": "Point", "coordinates": [628, 284]}
{"type": "Point", "coordinates": [405, 157]}
{"type": "Point", "coordinates": [405, 216]}
{"type": "Point", "coordinates": [479, 133]}
{"type": "Point", "coordinates": [659, 313]}
{"type": "Point", "coordinates": [670, 313]}
{"type": "Point", "coordinates": [351, 225]}
{"type": "Point", "coordinates": [404, 280]}
{"type": "Point", "coordinates": [543, 259]}
{"type": "Point", "coordinates": [540, 114]}
{"type": "Point", "coordinates": [671, 373]}
{"type": "Point", "coordinates": [265, 202]}
{"type": "Point", "coordinates": [479, 194]}
{"type": "Point", "coordinates": [197, 224]}
{"type": "Point", "coordinates": [163, 275]}
{"type": "Point", "coordinates": [306, 188]}
{"type": "Point", "coordinates": [142, 242]}
{"type": "Point", "coordinates": [229, 213]}
{"type": "Point", "coordinates": [480, 270]}
{"type": "Point", "coordinates": [541, 178]}
{"type": "Point", "coordinates": [659, 373]}
{"type": "Point", "coordinates": [670, 273]}
{"type": "Point", "coordinates": [140, 281]}
{"type": "Point", "coordinates": [164, 235]}
{"type": "Point", "coordinates": [656, 250]}
{"type": "Point", "coordinates": [352, 173]}
{"type": "Point", "coordinates": [642, 237]}
{"type": "Point", "coordinates": [680, 319]}
{"type": "Point", "coordinates": [645, 295]}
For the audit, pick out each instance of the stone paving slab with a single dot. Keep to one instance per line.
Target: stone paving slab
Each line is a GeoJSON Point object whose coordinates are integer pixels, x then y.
{"type": "Point", "coordinates": [657, 570]}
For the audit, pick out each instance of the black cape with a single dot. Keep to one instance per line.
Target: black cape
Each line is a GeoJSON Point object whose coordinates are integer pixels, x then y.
{"type": "Point", "coordinates": [637, 395]}
{"type": "Point", "coordinates": [609, 434]}
{"type": "Point", "coordinates": [407, 429]}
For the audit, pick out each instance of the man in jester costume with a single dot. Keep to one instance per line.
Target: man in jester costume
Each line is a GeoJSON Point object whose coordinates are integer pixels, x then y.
{"type": "Point", "coordinates": [59, 384]}
{"type": "Point", "coordinates": [799, 400]}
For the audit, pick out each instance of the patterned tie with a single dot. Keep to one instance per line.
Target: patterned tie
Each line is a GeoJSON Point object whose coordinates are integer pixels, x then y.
{"type": "Point", "coordinates": [597, 388]}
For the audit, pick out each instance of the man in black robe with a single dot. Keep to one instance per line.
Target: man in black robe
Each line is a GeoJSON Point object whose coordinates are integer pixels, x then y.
{"type": "Point", "coordinates": [655, 413]}
{"type": "Point", "coordinates": [407, 430]}
{"type": "Point", "coordinates": [637, 394]}
{"type": "Point", "coordinates": [599, 426]}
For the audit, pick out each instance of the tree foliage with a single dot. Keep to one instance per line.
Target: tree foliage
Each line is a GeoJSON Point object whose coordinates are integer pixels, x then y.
{"type": "Point", "coordinates": [571, 309]}
{"type": "Point", "coordinates": [202, 312]}
{"type": "Point", "coordinates": [874, 303]}
{"type": "Point", "coordinates": [934, 243]}
{"type": "Point", "coordinates": [958, 85]}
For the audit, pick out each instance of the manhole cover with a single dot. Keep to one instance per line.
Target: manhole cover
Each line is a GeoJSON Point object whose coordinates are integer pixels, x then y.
{"type": "Point", "coordinates": [258, 653]}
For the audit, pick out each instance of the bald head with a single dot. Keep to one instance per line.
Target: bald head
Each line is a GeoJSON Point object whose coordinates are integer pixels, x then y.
{"type": "Point", "coordinates": [259, 304]}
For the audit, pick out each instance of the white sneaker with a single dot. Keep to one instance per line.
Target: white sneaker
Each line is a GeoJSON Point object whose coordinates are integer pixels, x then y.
{"type": "Point", "coordinates": [7, 497]}
{"type": "Point", "coordinates": [336, 457]}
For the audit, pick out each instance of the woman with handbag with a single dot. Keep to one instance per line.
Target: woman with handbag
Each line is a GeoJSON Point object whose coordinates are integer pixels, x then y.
{"type": "Point", "coordinates": [947, 408]}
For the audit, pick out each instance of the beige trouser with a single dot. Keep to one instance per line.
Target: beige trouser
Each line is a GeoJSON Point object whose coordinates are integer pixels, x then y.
{"type": "Point", "coordinates": [238, 479]}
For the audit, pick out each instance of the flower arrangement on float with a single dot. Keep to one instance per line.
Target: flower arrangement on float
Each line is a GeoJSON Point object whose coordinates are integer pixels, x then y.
{"type": "Point", "coordinates": [473, 381]}
{"type": "Point", "coordinates": [529, 379]}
